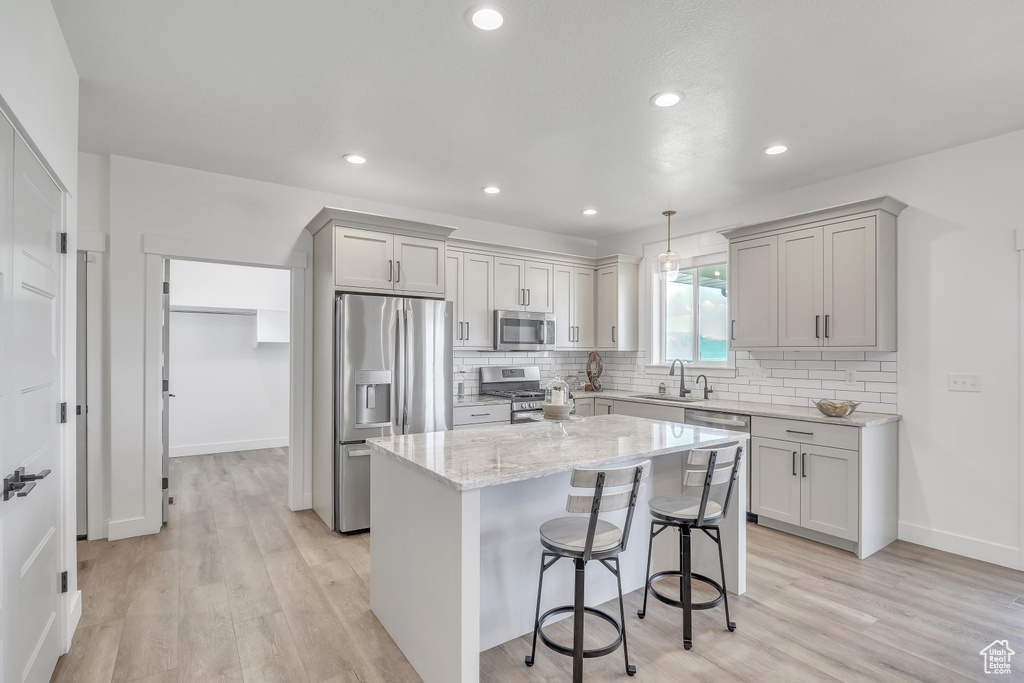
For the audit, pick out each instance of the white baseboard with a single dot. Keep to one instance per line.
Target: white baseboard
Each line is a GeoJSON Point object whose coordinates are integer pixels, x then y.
{"type": "Point", "coordinates": [126, 528]}
{"type": "Point", "coordinates": [227, 447]}
{"type": "Point", "coordinates": [974, 548]}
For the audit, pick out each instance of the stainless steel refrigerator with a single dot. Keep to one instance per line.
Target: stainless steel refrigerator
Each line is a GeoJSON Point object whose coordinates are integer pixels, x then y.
{"type": "Point", "coordinates": [393, 375]}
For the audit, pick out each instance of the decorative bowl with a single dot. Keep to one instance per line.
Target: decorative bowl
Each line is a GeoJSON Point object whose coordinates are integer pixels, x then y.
{"type": "Point", "coordinates": [552, 411]}
{"type": "Point", "coordinates": [836, 408]}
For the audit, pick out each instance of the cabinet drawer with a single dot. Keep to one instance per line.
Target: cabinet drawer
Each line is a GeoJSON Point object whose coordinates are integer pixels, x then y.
{"type": "Point", "coordinates": [472, 415]}
{"type": "Point", "coordinates": [836, 436]}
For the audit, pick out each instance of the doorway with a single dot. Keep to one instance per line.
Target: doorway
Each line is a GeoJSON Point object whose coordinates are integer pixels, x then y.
{"type": "Point", "coordinates": [226, 360]}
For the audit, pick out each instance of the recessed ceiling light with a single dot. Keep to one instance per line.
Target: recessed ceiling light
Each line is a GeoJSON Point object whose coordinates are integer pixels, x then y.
{"type": "Point", "coordinates": [492, 189]}
{"type": "Point", "coordinates": [775, 149]}
{"type": "Point", "coordinates": [666, 99]}
{"type": "Point", "coordinates": [486, 18]}
{"type": "Point", "coordinates": [588, 212]}
{"type": "Point", "coordinates": [355, 158]}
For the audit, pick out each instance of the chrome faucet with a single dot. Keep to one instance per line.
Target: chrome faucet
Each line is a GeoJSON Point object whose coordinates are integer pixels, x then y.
{"type": "Point", "coordinates": [707, 390]}
{"type": "Point", "coordinates": [683, 391]}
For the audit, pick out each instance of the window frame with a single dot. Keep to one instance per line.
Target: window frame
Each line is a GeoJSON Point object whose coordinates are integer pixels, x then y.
{"type": "Point", "coordinates": [660, 328]}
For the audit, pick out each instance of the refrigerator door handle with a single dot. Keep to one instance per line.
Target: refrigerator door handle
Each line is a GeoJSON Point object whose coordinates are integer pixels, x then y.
{"type": "Point", "coordinates": [399, 376]}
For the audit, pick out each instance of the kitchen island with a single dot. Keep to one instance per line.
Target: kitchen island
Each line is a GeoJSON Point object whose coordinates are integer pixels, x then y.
{"type": "Point", "coordinates": [455, 550]}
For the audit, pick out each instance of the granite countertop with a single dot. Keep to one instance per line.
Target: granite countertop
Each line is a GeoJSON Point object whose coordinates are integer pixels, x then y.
{"type": "Point", "coordinates": [478, 400]}
{"type": "Point", "coordinates": [491, 456]}
{"type": "Point", "coordinates": [858, 419]}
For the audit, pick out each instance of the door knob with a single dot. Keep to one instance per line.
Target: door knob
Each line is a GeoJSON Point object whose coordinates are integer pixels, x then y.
{"type": "Point", "coordinates": [21, 484]}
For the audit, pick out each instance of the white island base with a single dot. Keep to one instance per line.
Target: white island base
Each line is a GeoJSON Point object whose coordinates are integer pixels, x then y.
{"type": "Point", "coordinates": [455, 549]}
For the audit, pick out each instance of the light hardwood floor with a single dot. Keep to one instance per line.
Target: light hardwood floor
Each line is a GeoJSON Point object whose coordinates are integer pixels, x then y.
{"type": "Point", "coordinates": [237, 587]}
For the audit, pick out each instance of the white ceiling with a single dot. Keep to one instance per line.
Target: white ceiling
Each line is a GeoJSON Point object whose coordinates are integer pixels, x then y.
{"type": "Point", "coordinates": [554, 106]}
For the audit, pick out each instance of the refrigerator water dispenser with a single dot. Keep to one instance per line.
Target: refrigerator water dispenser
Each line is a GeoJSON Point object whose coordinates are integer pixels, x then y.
{"type": "Point", "coordinates": [373, 398]}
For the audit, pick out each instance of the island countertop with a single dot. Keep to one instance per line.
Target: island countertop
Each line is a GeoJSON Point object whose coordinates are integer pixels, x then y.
{"type": "Point", "coordinates": [491, 456]}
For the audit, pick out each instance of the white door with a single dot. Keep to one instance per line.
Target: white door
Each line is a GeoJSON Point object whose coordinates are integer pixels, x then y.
{"type": "Point", "coordinates": [166, 395]}
{"type": "Point", "coordinates": [30, 224]}
{"type": "Point", "coordinates": [753, 293]}
{"type": "Point", "coordinates": [539, 288]}
{"type": "Point", "coordinates": [607, 307]}
{"type": "Point", "coordinates": [509, 284]}
{"type": "Point", "coordinates": [850, 283]}
{"type": "Point", "coordinates": [829, 491]}
{"type": "Point", "coordinates": [584, 310]}
{"type": "Point", "coordinates": [775, 480]}
{"type": "Point", "coordinates": [453, 292]}
{"type": "Point", "coordinates": [478, 300]}
{"type": "Point", "coordinates": [419, 265]}
{"type": "Point", "coordinates": [363, 258]}
{"type": "Point", "coordinates": [564, 296]}
{"type": "Point", "coordinates": [801, 290]}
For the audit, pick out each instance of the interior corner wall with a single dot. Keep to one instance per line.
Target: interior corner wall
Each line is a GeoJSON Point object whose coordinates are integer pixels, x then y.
{"type": "Point", "coordinates": [152, 198]}
{"type": "Point", "coordinates": [959, 311]}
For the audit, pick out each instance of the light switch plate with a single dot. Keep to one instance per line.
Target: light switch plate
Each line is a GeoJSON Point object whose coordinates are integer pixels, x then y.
{"type": "Point", "coordinates": [964, 382]}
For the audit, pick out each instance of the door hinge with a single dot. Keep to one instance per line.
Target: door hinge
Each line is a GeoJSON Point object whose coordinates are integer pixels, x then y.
{"type": "Point", "coordinates": [167, 385]}
{"type": "Point", "coordinates": [78, 410]}
{"type": "Point", "coordinates": [63, 582]}
{"type": "Point", "coordinates": [63, 413]}
{"type": "Point", "coordinates": [167, 288]}
{"type": "Point", "coordinates": [63, 243]}
{"type": "Point", "coordinates": [165, 484]}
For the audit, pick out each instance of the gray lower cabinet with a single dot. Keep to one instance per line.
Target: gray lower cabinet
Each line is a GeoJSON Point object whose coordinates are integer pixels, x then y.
{"type": "Point", "coordinates": [650, 411]}
{"type": "Point", "coordinates": [831, 483]}
{"type": "Point", "coordinates": [584, 407]}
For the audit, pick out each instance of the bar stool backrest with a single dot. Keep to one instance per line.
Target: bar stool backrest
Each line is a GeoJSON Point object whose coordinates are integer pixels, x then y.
{"type": "Point", "coordinates": [710, 474]}
{"type": "Point", "coordinates": [599, 501]}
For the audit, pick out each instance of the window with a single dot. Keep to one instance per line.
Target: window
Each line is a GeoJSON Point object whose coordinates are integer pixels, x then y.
{"type": "Point", "coordinates": [696, 317]}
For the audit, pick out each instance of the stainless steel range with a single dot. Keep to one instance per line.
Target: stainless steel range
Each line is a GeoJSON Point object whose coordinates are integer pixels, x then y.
{"type": "Point", "coordinates": [520, 384]}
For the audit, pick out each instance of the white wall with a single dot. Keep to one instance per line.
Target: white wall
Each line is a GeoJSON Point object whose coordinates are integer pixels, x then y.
{"type": "Point", "coordinates": [152, 198]}
{"type": "Point", "coordinates": [39, 92]}
{"type": "Point", "coordinates": [959, 311]}
{"type": "Point", "coordinates": [229, 393]}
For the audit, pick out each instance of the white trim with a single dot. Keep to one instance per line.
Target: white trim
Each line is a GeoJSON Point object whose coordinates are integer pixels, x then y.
{"type": "Point", "coordinates": [247, 254]}
{"type": "Point", "coordinates": [93, 241]}
{"type": "Point", "coordinates": [126, 528]}
{"type": "Point", "coordinates": [227, 447]}
{"type": "Point", "coordinates": [152, 439]}
{"type": "Point", "coordinates": [74, 615]}
{"type": "Point", "coordinates": [97, 388]}
{"type": "Point", "coordinates": [985, 551]}
{"type": "Point", "coordinates": [1020, 394]}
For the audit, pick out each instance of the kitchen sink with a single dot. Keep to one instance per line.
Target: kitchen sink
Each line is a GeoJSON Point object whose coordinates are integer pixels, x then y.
{"type": "Point", "coordinates": [667, 397]}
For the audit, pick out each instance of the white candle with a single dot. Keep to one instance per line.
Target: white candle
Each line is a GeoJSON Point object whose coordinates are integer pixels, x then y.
{"type": "Point", "coordinates": [557, 397]}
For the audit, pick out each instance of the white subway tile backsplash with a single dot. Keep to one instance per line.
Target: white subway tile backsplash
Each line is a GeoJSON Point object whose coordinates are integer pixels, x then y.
{"type": "Point", "coordinates": [790, 374]}
{"type": "Point", "coordinates": [870, 366]}
{"type": "Point", "coordinates": [842, 355]}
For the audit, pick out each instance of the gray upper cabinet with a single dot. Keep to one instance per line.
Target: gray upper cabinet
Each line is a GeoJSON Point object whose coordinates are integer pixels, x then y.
{"type": "Point", "coordinates": [523, 285]}
{"type": "Point", "coordinates": [371, 260]}
{"type": "Point", "coordinates": [470, 288]}
{"type": "Point", "coordinates": [821, 280]}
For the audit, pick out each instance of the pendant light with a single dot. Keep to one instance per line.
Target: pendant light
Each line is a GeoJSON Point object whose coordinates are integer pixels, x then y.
{"type": "Point", "coordinates": [669, 261]}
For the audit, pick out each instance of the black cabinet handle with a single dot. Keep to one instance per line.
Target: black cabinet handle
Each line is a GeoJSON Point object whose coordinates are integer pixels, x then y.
{"type": "Point", "coordinates": [732, 330]}
{"type": "Point", "coordinates": [817, 327]}
{"type": "Point", "coordinates": [803, 464]}
{"type": "Point", "coordinates": [529, 297]}
{"type": "Point", "coordinates": [613, 334]}
{"type": "Point", "coordinates": [398, 272]}
{"type": "Point", "coordinates": [460, 330]}
{"type": "Point", "coordinates": [467, 331]}
{"type": "Point", "coordinates": [794, 463]}
{"type": "Point", "coordinates": [826, 326]}
{"type": "Point", "coordinates": [391, 270]}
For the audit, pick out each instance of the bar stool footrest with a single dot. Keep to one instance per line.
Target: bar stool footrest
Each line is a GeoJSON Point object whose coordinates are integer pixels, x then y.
{"type": "Point", "coordinates": [715, 602]}
{"type": "Point", "coordinates": [567, 651]}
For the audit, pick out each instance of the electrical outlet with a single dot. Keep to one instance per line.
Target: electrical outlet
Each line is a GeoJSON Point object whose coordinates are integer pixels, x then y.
{"type": "Point", "coordinates": [962, 382]}
{"type": "Point", "coordinates": [757, 373]}
{"type": "Point", "coordinates": [851, 378]}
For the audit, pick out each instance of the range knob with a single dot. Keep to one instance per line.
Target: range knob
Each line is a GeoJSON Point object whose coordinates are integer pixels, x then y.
{"type": "Point", "coordinates": [533, 404]}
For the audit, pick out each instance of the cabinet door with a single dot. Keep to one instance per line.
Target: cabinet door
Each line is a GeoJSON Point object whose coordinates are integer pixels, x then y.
{"type": "Point", "coordinates": [453, 290]}
{"type": "Point", "coordinates": [419, 265]}
{"type": "Point", "coordinates": [585, 407]}
{"type": "Point", "coordinates": [363, 258]}
{"type": "Point", "coordinates": [801, 289]}
{"type": "Point", "coordinates": [829, 490]}
{"type": "Point", "coordinates": [775, 480]}
{"type": "Point", "coordinates": [607, 307]}
{"type": "Point", "coordinates": [584, 312]}
{"type": "Point", "coordinates": [509, 287]}
{"type": "Point", "coordinates": [539, 288]}
{"type": "Point", "coordinates": [753, 293]}
{"type": "Point", "coordinates": [564, 295]}
{"type": "Point", "coordinates": [850, 282]}
{"type": "Point", "coordinates": [478, 301]}
{"type": "Point", "coordinates": [603, 406]}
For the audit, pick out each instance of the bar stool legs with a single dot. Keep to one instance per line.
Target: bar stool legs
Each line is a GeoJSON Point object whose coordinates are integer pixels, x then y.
{"type": "Point", "coordinates": [686, 577]}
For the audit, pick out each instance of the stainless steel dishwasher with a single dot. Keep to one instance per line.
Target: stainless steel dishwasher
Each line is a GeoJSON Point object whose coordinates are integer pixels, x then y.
{"type": "Point", "coordinates": [734, 422]}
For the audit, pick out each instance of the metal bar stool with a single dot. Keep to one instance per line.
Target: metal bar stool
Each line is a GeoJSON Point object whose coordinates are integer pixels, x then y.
{"type": "Point", "coordinates": [709, 478]}
{"type": "Point", "coordinates": [582, 539]}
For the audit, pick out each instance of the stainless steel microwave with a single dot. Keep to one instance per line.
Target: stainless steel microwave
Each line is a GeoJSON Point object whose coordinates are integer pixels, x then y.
{"type": "Point", "coordinates": [524, 331]}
